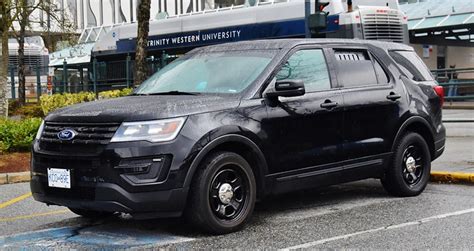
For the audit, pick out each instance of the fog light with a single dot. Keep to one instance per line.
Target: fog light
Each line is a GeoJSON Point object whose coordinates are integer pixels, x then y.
{"type": "Point", "coordinates": [142, 171]}
{"type": "Point", "coordinates": [137, 166]}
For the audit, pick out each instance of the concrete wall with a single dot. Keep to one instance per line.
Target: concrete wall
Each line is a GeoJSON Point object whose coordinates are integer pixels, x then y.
{"type": "Point", "coordinates": [431, 61]}
{"type": "Point", "coordinates": [461, 57]}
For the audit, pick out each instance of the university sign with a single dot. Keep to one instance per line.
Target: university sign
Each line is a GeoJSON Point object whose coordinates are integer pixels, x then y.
{"type": "Point", "coordinates": [292, 28]}
{"type": "Point", "coordinates": [190, 39]}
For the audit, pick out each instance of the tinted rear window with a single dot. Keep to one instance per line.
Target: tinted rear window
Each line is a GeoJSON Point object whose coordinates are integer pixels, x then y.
{"type": "Point", "coordinates": [355, 68]}
{"type": "Point", "coordinates": [412, 65]}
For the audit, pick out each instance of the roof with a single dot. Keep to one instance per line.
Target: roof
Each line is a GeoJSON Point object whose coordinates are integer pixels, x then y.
{"type": "Point", "coordinates": [78, 54]}
{"type": "Point", "coordinates": [290, 43]}
{"type": "Point", "coordinates": [433, 8]}
{"type": "Point", "coordinates": [438, 13]}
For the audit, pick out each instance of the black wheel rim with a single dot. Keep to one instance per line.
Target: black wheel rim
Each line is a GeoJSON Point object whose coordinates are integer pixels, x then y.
{"type": "Point", "coordinates": [412, 165]}
{"type": "Point", "coordinates": [224, 204]}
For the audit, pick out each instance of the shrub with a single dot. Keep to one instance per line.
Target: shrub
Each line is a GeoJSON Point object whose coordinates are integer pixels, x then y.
{"type": "Point", "coordinates": [55, 101]}
{"type": "Point", "coordinates": [115, 93]}
{"type": "Point", "coordinates": [13, 105]}
{"type": "Point", "coordinates": [28, 111]}
{"type": "Point", "coordinates": [17, 135]}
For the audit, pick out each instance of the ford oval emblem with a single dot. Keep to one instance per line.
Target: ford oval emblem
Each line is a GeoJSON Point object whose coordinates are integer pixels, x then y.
{"type": "Point", "coordinates": [67, 134]}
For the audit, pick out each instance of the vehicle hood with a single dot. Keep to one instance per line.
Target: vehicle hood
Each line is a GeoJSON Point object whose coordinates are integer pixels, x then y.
{"type": "Point", "coordinates": [137, 108]}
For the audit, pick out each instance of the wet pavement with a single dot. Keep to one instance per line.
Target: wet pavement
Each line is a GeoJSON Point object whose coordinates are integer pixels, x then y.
{"type": "Point", "coordinates": [353, 215]}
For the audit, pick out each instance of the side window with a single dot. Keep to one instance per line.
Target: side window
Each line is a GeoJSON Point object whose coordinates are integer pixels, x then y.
{"type": "Point", "coordinates": [309, 66]}
{"type": "Point", "coordinates": [355, 68]}
{"type": "Point", "coordinates": [382, 75]}
{"type": "Point", "coordinates": [411, 65]}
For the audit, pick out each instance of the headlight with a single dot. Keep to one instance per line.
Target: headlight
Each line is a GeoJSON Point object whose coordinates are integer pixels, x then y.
{"type": "Point", "coordinates": [40, 130]}
{"type": "Point", "coordinates": [152, 131]}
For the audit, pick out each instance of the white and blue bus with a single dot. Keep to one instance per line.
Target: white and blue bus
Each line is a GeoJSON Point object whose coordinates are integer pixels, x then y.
{"type": "Point", "coordinates": [175, 35]}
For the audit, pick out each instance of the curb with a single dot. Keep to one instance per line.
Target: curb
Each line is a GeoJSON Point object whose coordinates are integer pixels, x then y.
{"type": "Point", "coordinates": [452, 177]}
{"type": "Point", "coordinates": [10, 178]}
{"type": "Point", "coordinates": [458, 106]}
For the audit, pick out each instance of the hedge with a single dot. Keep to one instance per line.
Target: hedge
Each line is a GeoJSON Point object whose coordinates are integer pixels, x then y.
{"type": "Point", "coordinates": [17, 135]}
{"type": "Point", "coordinates": [50, 103]}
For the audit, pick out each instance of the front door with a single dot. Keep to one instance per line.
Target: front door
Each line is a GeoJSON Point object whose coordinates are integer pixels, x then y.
{"type": "Point", "coordinates": [305, 133]}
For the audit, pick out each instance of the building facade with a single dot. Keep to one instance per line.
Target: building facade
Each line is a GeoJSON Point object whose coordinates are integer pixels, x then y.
{"type": "Point", "coordinates": [442, 32]}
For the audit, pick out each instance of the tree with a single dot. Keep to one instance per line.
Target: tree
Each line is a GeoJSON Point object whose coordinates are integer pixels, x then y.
{"type": "Point", "coordinates": [143, 19]}
{"type": "Point", "coordinates": [6, 20]}
{"type": "Point", "coordinates": [22, 20]}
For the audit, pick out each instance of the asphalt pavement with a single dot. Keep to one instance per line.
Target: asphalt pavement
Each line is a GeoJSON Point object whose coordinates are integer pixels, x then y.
{"type": "Point", "coordinates": [353, 215]}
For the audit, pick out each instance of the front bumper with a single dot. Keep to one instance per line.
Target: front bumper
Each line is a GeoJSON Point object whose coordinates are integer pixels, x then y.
{"type": "Point", "coordinates": [140, 178]}
{"type": "Point", "coordinates": [112, 198]}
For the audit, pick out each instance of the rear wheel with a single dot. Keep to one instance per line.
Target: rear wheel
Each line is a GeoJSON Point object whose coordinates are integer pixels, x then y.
{"type": "Point", "coordinates": [223, 193]}
{"type": "Point", "coordinates": [90, 214]}
{"type": "Point", "coordinates": [411, 165]}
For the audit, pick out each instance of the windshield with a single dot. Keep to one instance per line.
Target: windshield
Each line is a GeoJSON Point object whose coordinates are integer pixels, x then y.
{"type": "Point", "coordinates": [211, 72]}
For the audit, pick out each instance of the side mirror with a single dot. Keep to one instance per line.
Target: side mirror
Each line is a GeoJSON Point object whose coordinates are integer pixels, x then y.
{"type": "Point", "coordinates": [317, 21]}
{"type": "Point", "coordinates": [287, 88]}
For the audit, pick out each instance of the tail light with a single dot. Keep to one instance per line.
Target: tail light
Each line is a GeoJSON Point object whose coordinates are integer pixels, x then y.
{"type": "Point", "coordinates": [440, 92]}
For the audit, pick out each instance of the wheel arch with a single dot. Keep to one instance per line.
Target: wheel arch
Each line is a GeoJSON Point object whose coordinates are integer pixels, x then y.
{"type": "Point", "coordinates": [238, 144]}
{"type": "Point", "coordinates": [418, 125]}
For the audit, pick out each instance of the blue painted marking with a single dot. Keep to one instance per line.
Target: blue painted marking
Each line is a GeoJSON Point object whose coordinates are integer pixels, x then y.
{"type": "Point", "coordinates": [41, 234]}
{"type": "Point", "coordinates": [105, 237]}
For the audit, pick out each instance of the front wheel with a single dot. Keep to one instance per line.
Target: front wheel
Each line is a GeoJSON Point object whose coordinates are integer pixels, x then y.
{"type": "Point", "coordinates": [223, 193]}
{"type": "Point", "coordinates": [409, 172]}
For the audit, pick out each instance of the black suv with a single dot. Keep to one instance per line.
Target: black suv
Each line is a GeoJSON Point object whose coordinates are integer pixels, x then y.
{"type": "Point", "coordinates": [225, 125]}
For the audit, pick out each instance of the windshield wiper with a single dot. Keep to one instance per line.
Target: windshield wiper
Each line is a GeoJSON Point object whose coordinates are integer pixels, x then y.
{"type": "Point", "coordinates": [168, 93]}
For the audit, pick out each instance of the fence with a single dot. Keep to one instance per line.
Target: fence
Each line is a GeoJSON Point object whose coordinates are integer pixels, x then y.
{"type": "Point", "coordinates": [458, 83]}
{"type": "Point", "coordinates": [35, 83]}
{"type": "Point", "coordinates": [94, 77]}
{"type": "Point", "coordinates": [108, 75]}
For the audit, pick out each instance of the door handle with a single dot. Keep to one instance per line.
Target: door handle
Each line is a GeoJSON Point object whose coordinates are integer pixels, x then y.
{"type": "Point", "coordinates": [328, 104]}
{"type": "Point", "coordinates": [393, 96]}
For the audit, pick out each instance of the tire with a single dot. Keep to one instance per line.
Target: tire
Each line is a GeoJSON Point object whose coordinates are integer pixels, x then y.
{"type": "Point", "coordinates": [410, 167]}
{"type": "Point", "coordinates": [218, 174]}
{"type": "Point", "coordinates": [90, 214]}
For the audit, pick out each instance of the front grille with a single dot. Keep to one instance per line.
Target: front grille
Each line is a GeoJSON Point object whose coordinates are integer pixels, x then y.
{"type": "Point", "coordinates": [87, 134]}
{"type": "Point", "coordinates": [383, 26]}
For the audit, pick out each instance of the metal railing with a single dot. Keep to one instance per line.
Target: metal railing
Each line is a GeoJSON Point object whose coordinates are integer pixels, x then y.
{"type": "Point", "coordinates": [458, 83]}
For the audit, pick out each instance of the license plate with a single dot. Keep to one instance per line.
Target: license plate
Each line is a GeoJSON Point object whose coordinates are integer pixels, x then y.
{"type": "Point", "coordinates": [59, 178]}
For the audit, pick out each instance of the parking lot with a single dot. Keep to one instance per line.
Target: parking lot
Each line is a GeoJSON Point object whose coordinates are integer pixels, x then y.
{"type": "Point", "coordinates": [354, 215]}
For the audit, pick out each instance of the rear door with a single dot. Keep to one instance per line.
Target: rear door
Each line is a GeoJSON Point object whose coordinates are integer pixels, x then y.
{"type": "Point", "coordinates": [370, 109]}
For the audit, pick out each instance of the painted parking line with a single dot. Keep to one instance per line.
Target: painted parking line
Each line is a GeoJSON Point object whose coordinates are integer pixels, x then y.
{"type": "Point", "coordinates": [29, 216]}
{"type": "Point", "coordinates": [402, 225]}
{"type": "Point", "coordinates": [105, 237]}
{"type": "Point", "coordinates": [15, 200]}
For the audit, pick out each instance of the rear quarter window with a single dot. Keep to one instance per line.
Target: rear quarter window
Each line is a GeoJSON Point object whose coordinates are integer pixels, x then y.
{"type": "Point", "coordinates": [354, 68]}
{"type": "Point", "coordinates": [411, 65]}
